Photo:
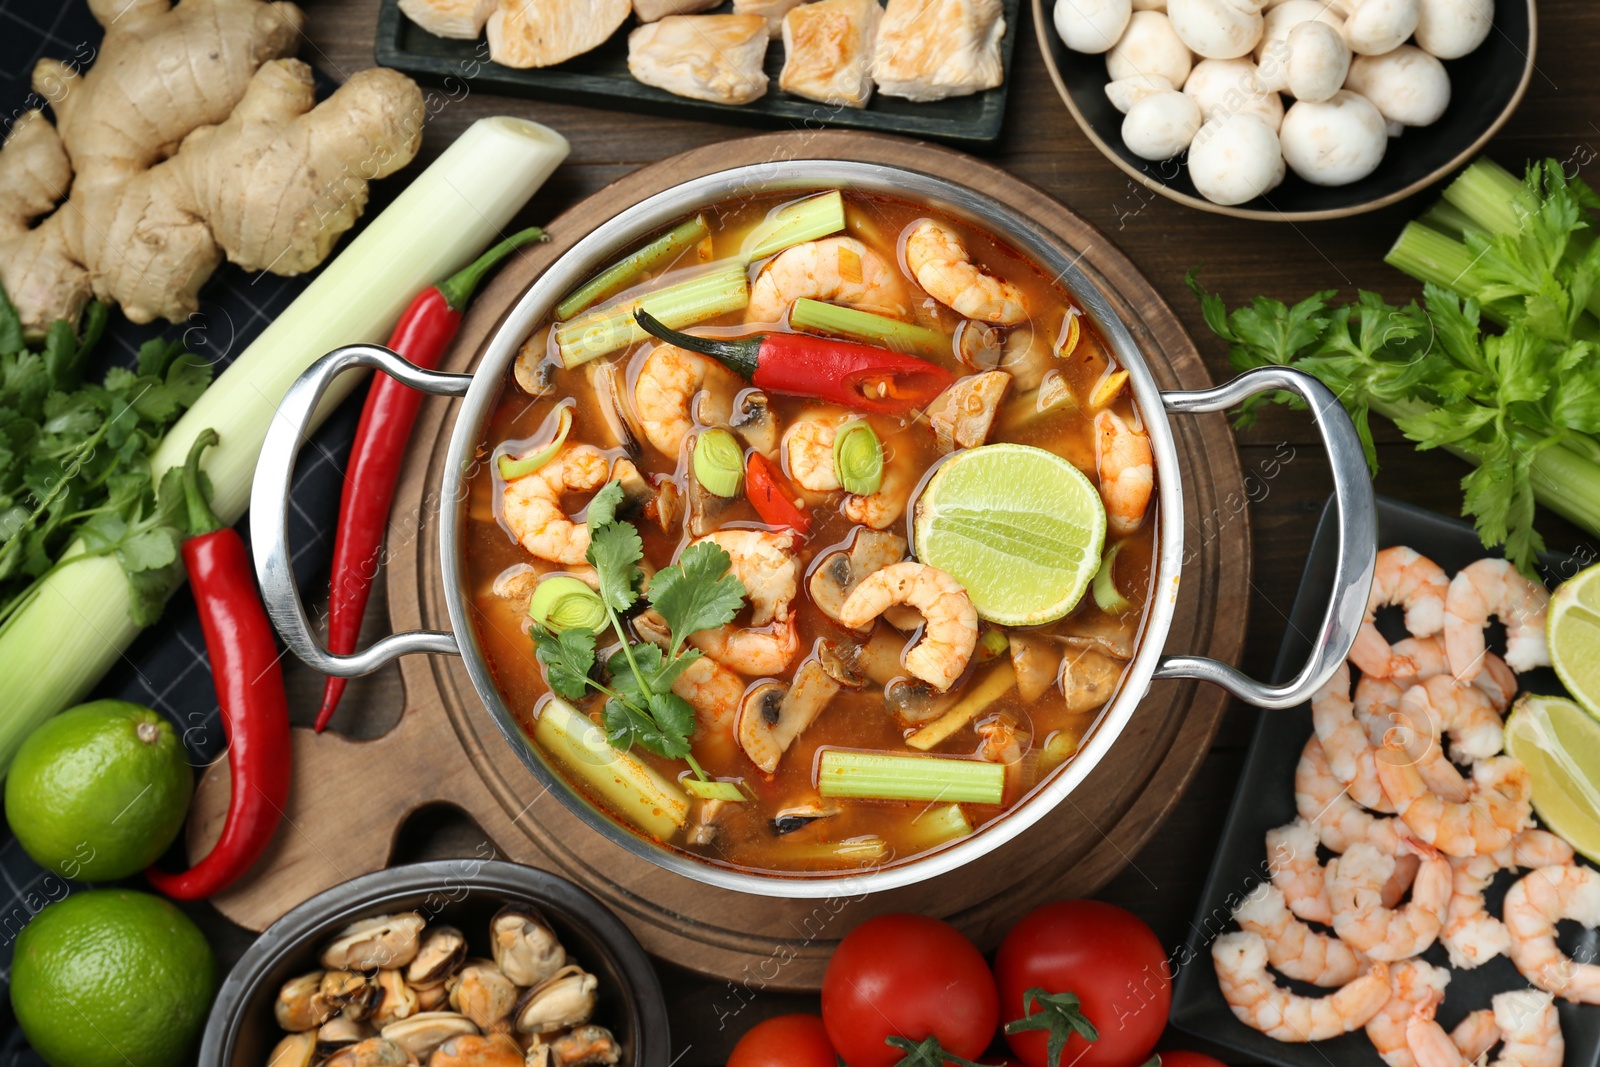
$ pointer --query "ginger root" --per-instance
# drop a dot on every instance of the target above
(190, 139)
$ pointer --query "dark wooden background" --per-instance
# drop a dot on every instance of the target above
(1240, 259)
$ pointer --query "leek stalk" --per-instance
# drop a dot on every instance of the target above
(713, 789)
(880, 776)
(604, 330)
(631, 269)
(77, 625)
(856, 325)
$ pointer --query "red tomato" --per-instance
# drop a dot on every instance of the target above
(785, 1041)
(909, 977)
(1106, 956)
(1188, 1059)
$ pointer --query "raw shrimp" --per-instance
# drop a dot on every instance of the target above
(1125, 464)
(1355, 889)
(837, 269)
(1260, 1003)
(664, 393)
(1340, 821)
(939, 262)
(1416, 583)
(1296, 871)
(1496, 809)
(941, 656)
(1471, 935)
(1346, 743)
(1493, 587)
(1296, 950)
(808, 445)
(1411, 982)
(1532, 908)
(532, 509)
(1525, 1019)
(767, 566)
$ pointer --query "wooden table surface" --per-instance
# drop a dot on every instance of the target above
(1240, 259)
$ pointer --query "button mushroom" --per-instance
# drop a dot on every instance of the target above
(962, 416)
(1037, 660)
(913, 702)
(1158, 127)
(1317, 63)
(1336, 141)
(1407, 85)
(1217, 29)
(1149, 46)
(837, 574)
(1092, 26)
(1235, 158)
(1379, 26)
(1450, 29)
(772, 715)
(1088, 678)
(1223, 87)
(1123, 94)
(754, 422)
(1271, 51)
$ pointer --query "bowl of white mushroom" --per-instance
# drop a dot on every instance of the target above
(1288, 109)
(453, 963)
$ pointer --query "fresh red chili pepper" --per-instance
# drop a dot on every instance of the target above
(774, 499)
(424, 331)
(863, 377)
(244, 669)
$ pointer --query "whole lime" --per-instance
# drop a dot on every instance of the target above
(112, 978)
(99, 791)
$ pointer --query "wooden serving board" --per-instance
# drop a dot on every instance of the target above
(350, 797)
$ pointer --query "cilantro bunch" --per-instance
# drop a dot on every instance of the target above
(75, 459)
(696, 593)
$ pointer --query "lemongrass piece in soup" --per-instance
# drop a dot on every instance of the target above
(856, 850)
(713, 789)
(718, 463)
(631, 269)
(979, 695)
(562, 602)
(512, 469)
(604, 330)
(1107, 597)
(935, 826)
(631, 788)
(858, 458)
(793, 224)
(817, 316)
(847, 774)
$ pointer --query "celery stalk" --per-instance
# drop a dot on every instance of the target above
(55, 648)
(880, 776)
(629, 787)
(604, 330)
(793, 224)
(1447, 219)
(1492, 197)
(857, 325)
(1429, 256)
(630, 269)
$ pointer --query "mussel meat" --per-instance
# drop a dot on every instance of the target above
(384, 941)
(396, 1000)
(585, 1046)
(483, 993)
(469, 1050)
(525, 948)
(296, 1050)
(427, 1030)
(373, 1052)
(339, 1031)
(302, 1005)
(564, 999)
(441, 952)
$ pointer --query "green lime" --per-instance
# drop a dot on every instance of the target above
(99, 791)
(1020, 528)
(112, 978)
(1560, 746)
(1572, 630)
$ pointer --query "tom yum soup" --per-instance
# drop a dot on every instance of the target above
(816, 535)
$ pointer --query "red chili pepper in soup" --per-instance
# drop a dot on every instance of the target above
(863, 377)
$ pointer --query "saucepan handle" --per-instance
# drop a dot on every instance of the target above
(269, 510)
(1358, 538)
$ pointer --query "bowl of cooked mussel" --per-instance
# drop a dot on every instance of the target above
(454, 963)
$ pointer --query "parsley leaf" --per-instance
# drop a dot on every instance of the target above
(615, 551)
(663, 729)
(698, 592)
(568, 656)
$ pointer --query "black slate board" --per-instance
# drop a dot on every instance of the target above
(600, 78)
(1265, 799)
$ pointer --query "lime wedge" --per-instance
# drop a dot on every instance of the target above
(1560, 745)
(1020, 528)
(1572, 630)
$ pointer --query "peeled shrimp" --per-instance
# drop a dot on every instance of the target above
(663, 394)
(1296, 950)
(1471, 935)
(710, 688)
(1532, 908)
(766, 564)
(1125, 464)
(1465, 713)
(808, 444)
(1497, 681)
(1296, 871)
(1355, 888)
(751, 651)
(1260, 1003)
(1493, 587)
(532, 509)
(1322, 801)
(1346, 742)
(1525, 1019)
(1496, 810)
(1416, 583)
(941, 656)
(1411, 982)
(939, 262)
(841, 270)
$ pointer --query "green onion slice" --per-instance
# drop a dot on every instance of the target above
(562, 602)
(718, 463)
(1107, 597)
(512, 469)
(713, 790)
(858, 458)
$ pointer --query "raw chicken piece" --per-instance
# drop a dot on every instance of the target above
(931, 49)
(771, 10)
(828, 48)
(707, 57)
(541, 33)
(449, 18)
(651, 10)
